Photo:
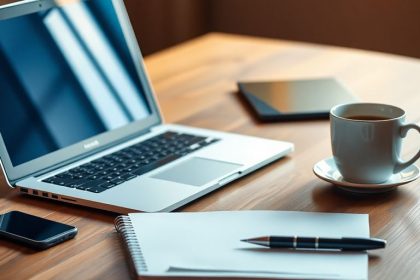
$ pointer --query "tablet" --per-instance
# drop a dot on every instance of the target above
(294, 99)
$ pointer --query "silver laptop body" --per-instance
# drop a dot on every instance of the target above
(75, 92)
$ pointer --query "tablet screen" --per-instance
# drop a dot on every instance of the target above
(296, 98)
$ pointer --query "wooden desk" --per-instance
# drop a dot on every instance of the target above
(195, 84)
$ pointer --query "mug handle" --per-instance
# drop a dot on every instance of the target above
(403, 133)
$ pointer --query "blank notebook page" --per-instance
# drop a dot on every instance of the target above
(208, 244)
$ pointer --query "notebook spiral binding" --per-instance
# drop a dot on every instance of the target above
(124, 227)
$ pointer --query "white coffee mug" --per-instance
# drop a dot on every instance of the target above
(366, 141)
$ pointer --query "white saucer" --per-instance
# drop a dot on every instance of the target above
(327, 171)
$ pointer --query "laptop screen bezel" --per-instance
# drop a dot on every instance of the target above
(101, 141)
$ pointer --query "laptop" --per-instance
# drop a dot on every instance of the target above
(79, 122)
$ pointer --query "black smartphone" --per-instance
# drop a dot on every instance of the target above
(36, 232)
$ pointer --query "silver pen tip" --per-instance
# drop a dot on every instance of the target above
(264, 241)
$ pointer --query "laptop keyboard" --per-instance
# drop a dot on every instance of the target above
(113, 169)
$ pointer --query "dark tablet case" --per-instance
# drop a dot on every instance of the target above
(294, 99)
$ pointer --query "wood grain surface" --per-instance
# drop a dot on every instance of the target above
(195, 84)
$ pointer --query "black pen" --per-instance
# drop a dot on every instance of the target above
(295, 242)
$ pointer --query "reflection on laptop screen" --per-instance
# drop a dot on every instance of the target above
(66, 75)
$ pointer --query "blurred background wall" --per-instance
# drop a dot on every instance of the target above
(391, 26)
(159, 24)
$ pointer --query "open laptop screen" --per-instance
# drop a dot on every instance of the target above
(66, 75)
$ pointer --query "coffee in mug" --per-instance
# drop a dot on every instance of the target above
(366, 141)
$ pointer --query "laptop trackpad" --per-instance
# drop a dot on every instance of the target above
(197, 171)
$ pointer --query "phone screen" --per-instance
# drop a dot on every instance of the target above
(31, 227)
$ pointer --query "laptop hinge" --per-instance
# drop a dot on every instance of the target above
(9, 184)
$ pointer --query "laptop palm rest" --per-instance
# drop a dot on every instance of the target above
(197, 171)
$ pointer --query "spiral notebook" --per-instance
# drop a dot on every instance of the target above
(207, 244)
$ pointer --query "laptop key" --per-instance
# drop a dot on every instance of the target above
(117, 180)
(93, 177)
(65, 175)
(62, 183)
(109, 177)
(94, 183)
(96, 189)
(83, 188)
(99, 161)
(107, 185)
(154, 165)
(128, 176)
(50, 180)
